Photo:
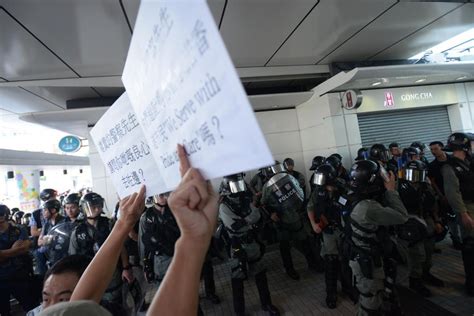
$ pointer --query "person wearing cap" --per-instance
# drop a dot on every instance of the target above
(458, 178)
(15, 266)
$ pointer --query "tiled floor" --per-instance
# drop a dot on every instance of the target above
(307, 296)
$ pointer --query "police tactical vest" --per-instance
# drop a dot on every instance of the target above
(90, 238)
(465, 173)
(161, 232)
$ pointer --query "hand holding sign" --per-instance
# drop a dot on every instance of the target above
(194, 203)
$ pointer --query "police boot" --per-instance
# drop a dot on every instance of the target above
(331, 269)
(264, 293)
(432, 280)
(468, 260)
(416, 285)
(238, 296)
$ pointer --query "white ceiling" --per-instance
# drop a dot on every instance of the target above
(52, 51)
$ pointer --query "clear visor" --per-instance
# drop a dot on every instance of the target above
(161, 198)
(92, 210)
(414, 175)
(384, 174)
(319, 179)
(278, 168)
(237, 186)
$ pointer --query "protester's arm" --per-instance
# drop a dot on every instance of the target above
(92, 287)
(194, 205)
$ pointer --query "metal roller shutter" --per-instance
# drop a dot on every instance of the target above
(405, 126)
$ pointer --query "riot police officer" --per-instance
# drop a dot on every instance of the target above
(88, 236)
(157, 236)
(458, 178)
(238, 216)
(325, 216)
(290, 168)
(417, 234)
(362, 154)
(421, 147)
(52, 218)
(283, 199)
(59, 236)
(369, 237)
(256, 184)
(15, 265)
(36, 225)
(315, 163)
(335, 160)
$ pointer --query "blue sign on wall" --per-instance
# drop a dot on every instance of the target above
(70, 144)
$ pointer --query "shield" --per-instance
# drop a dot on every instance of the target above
(286, 191)
(59, 245)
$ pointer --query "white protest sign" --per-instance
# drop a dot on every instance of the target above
(124, 150)
(185, 90)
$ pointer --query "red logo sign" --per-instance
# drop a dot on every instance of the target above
(349, 100)
(389, 100)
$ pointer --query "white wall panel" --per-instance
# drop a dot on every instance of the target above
(329, 25)
(278, 121)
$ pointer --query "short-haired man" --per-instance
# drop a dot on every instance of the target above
(434, 173)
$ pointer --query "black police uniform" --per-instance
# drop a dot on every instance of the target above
(15, 273)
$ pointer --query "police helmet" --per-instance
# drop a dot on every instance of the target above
(416, 171)
(52, 204)
(47, 194)
(25, 220)
(337, 155)
(334, 161)
(459, 141)
(4, 211)
(90, 200)
(419, 145)
(324, 174)
(277, 168)
(411, 151)
(73, 198)
(17, 216)
(234, 183)
(379, 152)
(317, 161)
(365, 177)
(362, 153)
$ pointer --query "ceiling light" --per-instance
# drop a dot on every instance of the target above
(376, 83)
(420, 80)
(461, 78)
(274, 106)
